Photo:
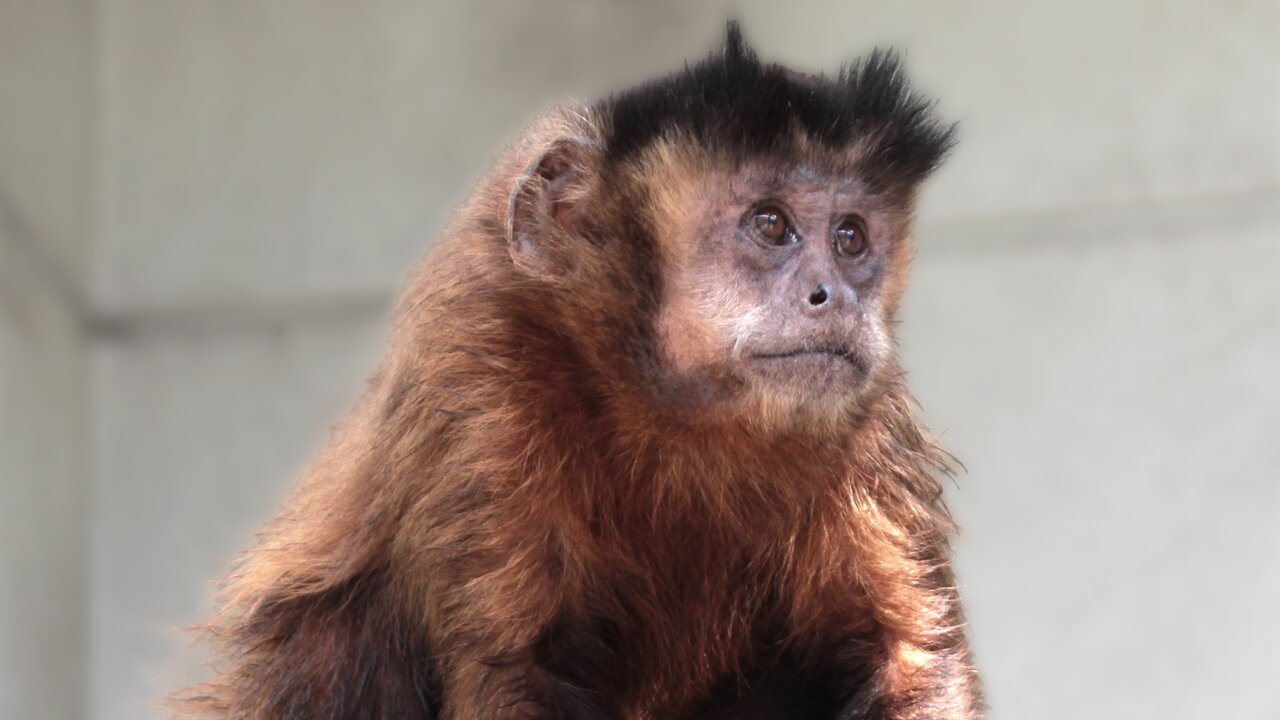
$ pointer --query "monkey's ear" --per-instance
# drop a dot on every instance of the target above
(544, 215)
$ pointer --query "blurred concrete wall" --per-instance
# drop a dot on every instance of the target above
(206, 208)
(46, 169)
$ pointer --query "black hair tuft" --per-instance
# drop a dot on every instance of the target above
(734, 103)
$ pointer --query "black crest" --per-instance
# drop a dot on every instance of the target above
(733, 102)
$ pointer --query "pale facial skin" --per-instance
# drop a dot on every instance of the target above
(774, 298)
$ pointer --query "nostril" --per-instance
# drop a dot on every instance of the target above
(819, 296)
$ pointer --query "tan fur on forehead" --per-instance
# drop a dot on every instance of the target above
(671, 162)
(675, 174)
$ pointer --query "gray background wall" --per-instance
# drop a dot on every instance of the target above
(206, 208)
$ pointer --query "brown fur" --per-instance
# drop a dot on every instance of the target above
(511, 525)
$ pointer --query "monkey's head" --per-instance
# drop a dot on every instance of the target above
(737, 233)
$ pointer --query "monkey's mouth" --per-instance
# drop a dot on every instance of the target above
(822, 354)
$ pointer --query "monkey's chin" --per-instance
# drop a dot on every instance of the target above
(806, 386)
(783, 392)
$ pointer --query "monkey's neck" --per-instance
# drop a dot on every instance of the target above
(745, 484)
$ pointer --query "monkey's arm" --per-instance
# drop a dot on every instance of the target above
(498, 620)
(923, 670)
(342, 651)
(455, 636)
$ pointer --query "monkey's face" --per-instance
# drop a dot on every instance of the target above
(778, 289)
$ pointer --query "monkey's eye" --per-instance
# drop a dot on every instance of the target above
(772, 227)
(851, 238)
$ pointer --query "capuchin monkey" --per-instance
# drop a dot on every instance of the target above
(640, 447)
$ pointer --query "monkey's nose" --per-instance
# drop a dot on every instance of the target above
(820, 296)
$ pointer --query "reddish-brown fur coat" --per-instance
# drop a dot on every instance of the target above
(506, 512)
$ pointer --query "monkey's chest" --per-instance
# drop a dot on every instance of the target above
(693, 639)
